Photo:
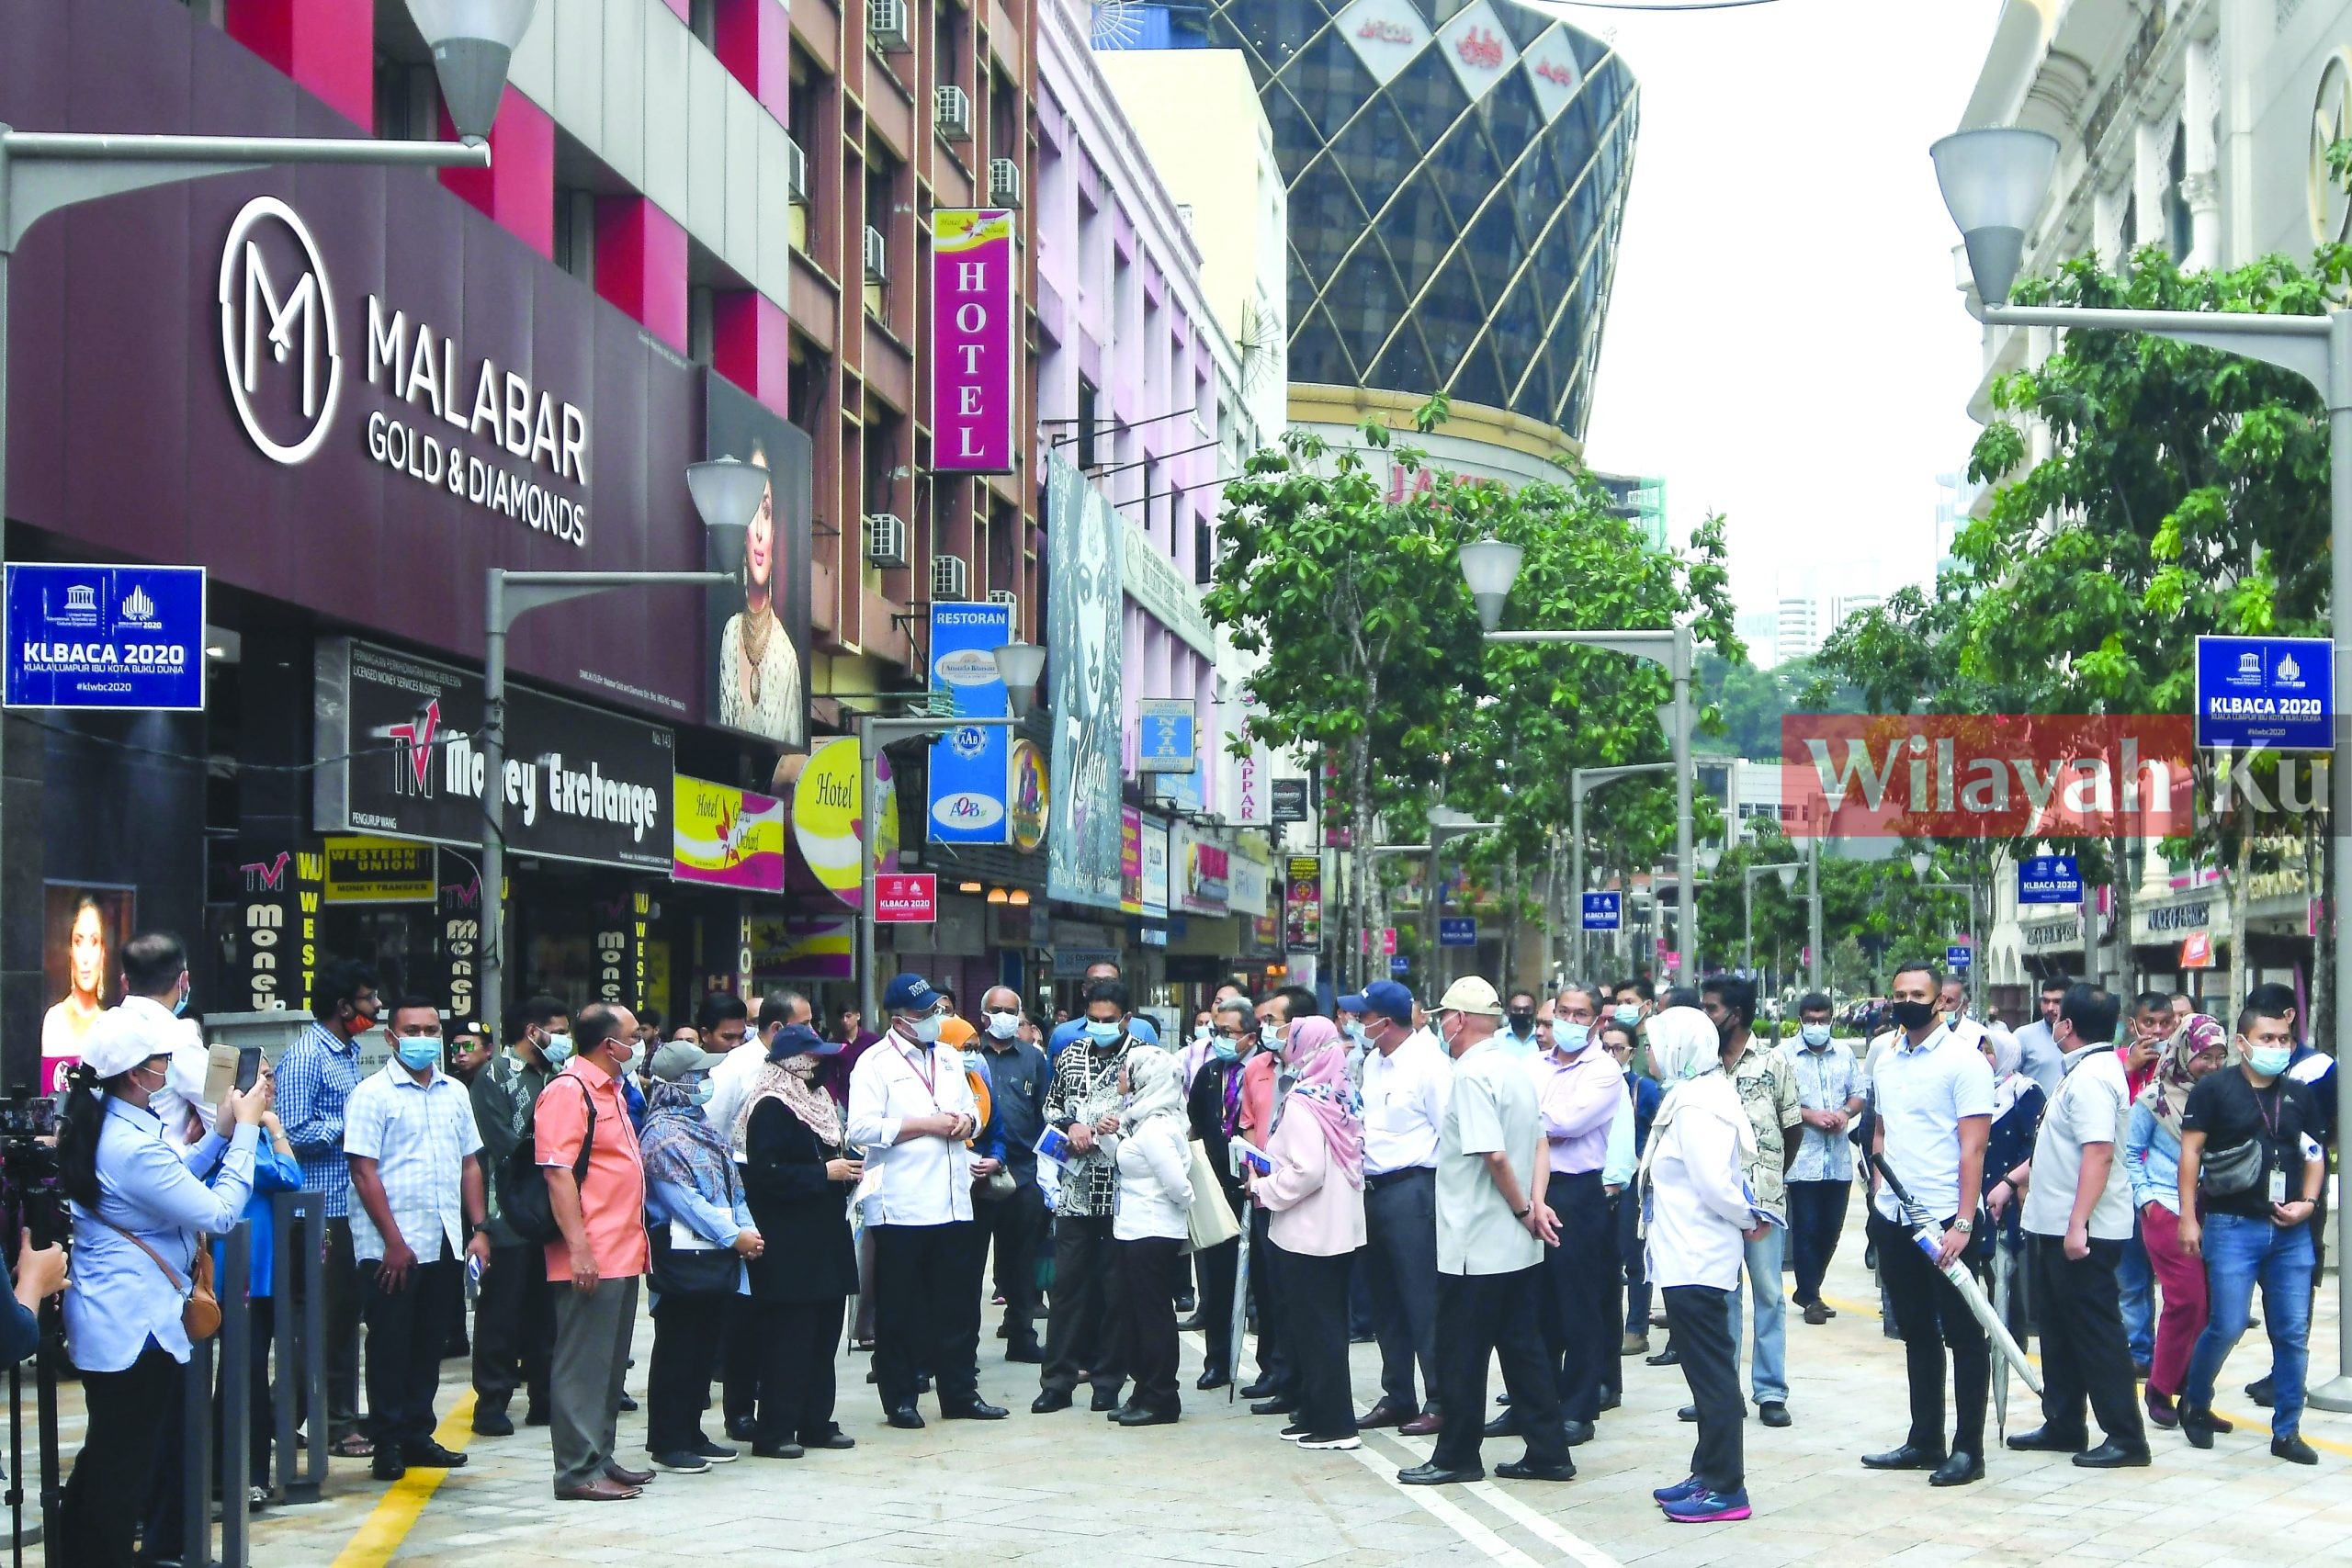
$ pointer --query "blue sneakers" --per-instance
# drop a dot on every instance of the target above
(1709, 1507)
(1688, 1487)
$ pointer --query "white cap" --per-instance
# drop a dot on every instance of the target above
(117, 1043)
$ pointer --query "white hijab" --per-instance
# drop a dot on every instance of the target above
(1688, 1056)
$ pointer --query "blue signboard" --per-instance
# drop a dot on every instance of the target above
(2050, 879)
(1400, 965)
(2255, 691)
(970, 766)
(1958, 956)
(105, 637)
(1165, 736)
(1603, 912)
(1457, 930)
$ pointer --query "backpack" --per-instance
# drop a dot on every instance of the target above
(523, 1200)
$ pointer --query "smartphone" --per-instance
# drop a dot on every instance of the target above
(248, 1067)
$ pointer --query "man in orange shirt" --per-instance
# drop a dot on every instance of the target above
(597, 1194)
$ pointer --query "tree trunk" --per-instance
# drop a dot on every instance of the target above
(2319, 877)
(1511, 914)
(2240, 878)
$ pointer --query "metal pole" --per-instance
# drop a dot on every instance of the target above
(1747, 918)
(1813, 915)
(1685, 861)
(195, 1455)
(1576, 876)
(493, 806)
(869, 814)
(236, 1386)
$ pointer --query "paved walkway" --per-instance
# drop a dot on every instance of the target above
(1220, 1488)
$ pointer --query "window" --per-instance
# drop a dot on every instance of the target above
(2179, 232)
(575, 233)
(1086, 415)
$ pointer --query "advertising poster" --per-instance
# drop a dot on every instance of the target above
(264, 940)
(810, 946)
(758, 624)
(1250, 886)
(969, 766)
(379, 870)
(1083, 650)
(1130, 860)
(726, 837)
(1302, 907)
(83, 930)
(974, 318)
(1029, 807)
(1155, 869)
(827, 820)
(103, 637)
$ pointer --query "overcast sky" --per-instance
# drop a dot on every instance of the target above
(1784, 342)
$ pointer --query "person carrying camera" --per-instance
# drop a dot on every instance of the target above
(139, 1213)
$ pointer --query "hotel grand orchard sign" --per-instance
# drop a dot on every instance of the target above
(478, 431)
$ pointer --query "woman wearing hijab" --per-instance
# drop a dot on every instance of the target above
(1149, 1228)
(1697, 1213)
(701, 1233)
(799, 1175)
(2151, 1157)
(1312, 1184)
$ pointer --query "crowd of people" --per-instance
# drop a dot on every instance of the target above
(1487, 1183)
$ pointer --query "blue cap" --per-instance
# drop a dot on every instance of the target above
(1353, 1002)
(910, 993)
(1389, 999)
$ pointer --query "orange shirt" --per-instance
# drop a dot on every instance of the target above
(612, 1201)
(1258, 1098)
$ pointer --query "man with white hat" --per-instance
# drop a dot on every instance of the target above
(1492, 1227)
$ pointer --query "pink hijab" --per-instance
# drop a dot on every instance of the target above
(1324, 1091)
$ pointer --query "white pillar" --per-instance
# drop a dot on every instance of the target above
(2151, 171)
(2109, 241)
(2202, 188)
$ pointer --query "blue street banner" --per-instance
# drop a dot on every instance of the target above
(1400, 965)
(2257, 691)
(1165, 737)
(1457, 930)
(105, 637)
(1603, 912)
(969, 765)
(2050, 879)
(1959, 956)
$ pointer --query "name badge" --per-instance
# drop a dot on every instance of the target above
(2278, 1186)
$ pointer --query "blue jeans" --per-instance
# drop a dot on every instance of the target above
(1767, 1373)
(2135, 1283)
(2239, 1253)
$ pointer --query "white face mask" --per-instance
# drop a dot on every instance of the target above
(1814, 1034)
(925, 1029)
(1004, 1025)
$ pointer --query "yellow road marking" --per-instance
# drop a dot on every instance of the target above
(396, 1513)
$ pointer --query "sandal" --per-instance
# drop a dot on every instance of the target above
(352, 1445)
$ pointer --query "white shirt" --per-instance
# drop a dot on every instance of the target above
(420, 1135)
(1699, 1205)
(183, 1091)
(731, 1085)
(925, 1180)
(1922, 1092)
(1618, 1165)
(1404, 1104)
(1155, 1197)
(2090, 1108)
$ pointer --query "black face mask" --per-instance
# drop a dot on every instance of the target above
(1912, 1015)
(1520, 1023)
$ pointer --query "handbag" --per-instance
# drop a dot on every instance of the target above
(2238, 1169)
(694, 1270)
(200, 1308)
(523, 1201)
(995, 1187)
(1210, 1221)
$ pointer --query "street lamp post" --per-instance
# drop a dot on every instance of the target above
(1018, 665)
(1488, 566)
(1922, 862)
(725, 492)
(1581, 783)
(1788, 870)
(42, 170)
(1444, 823)
(1994, 183)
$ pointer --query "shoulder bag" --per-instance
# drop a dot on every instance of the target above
(200, 1308)
(523, 1201)
(711, 1270)
(1210, 1221)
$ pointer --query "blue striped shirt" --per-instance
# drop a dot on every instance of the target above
(315, 1078)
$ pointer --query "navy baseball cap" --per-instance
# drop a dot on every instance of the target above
(1389, 999)
(910, 993)
(1352, 1002)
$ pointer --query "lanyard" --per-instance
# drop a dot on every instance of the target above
(929, 1074)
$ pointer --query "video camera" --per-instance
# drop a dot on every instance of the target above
(31, 1201)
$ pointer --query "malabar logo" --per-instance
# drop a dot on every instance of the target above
(273, 326)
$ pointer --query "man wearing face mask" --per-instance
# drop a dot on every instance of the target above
(513, 1313)
(1073, 1028)
(315, 1077)
(1265, 1079)
(1518, 1035)
(409, 1131)
(910, 1107)
(1406, 1081)
(1578, 1094)
(1213, 1106)
(1829, 1094)
(156, 992)
(1084, 1104)
(1018, 1078)
(1767, 1086)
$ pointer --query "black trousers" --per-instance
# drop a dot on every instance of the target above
(927, 1311)
(514, 1328)
(740, 1361)
(1217, 1268)
(1483, 1315)
(1706, 1337)
(1315, 1294)
(1266, 1295)
(1400, 1268)
(111, 1476)
(1931, 1318)
(166, 1511)
(404, 1331)
(798, 1341)
(1081, 1334)
(1635, 1264)
(1816, 1215)
(1148, 1320)
(346, 1289)
(688, 1334)
(1612, 1294)
(1012, 1228)
(2084, 1359)
(1580, 1336)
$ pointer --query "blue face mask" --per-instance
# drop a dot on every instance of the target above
(1814, 1034)
(1103, 1034)
(1571, 1037)
(558, 1050)
(419, 1052)
(702, 1090)
(179, 1007)
(1224, 1050)
(2269, 1061)
(1628, 1016)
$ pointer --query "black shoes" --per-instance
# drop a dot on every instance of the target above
(1688, 1413)
(1383, 1415)
(385, 1463)
(1212, 1377)
(2196, 1423)
(1502, 1426)
(1668, 1357)
(907, 1418)
(1263, 1388)
(835, 1440)
(777, 1450)
(1910, 1456)
(492, 1421)
(1432, 1475)
(1029, 1355)
(2290, 1448)
(1137, 1415)
(2259, 1392)
(743, 1429)
(1104, 1400)
(1772, 1413)
(1578, 1433)
(430, 1455)
(1053, 1399)
(2043, 1441)
(974, 1409)
(1275, 1406)
(2112, 1455)
(1524, 1469)
(1958, 1471)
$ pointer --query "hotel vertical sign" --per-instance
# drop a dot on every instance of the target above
(975, 360)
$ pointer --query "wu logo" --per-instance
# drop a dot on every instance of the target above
(277, 329)
(413, 751)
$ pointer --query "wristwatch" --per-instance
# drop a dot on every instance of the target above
(1524, 1212)
(1964, 1227)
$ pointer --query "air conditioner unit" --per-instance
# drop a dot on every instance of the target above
(886, 539)
(1004, 182)
(951, 578)
(886, 25)
(796, 172)
(877, 256)
(1006, 596)
(951, 112)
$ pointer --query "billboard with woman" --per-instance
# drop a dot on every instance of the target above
(83, 931)
(759, 621)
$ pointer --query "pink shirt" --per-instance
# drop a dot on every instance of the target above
(612, 1201)
(1579, 1097)
(1317, 1211)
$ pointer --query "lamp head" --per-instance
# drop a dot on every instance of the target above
(1709, 857)
(726, 491)
(1993, 182)
(473, 43)
(1920, 861)
(1018, 665)
(1488, 566)
(1788, 876)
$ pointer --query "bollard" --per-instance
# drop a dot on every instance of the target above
(196, 1455)
(299, 1345)
(237, 1392)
